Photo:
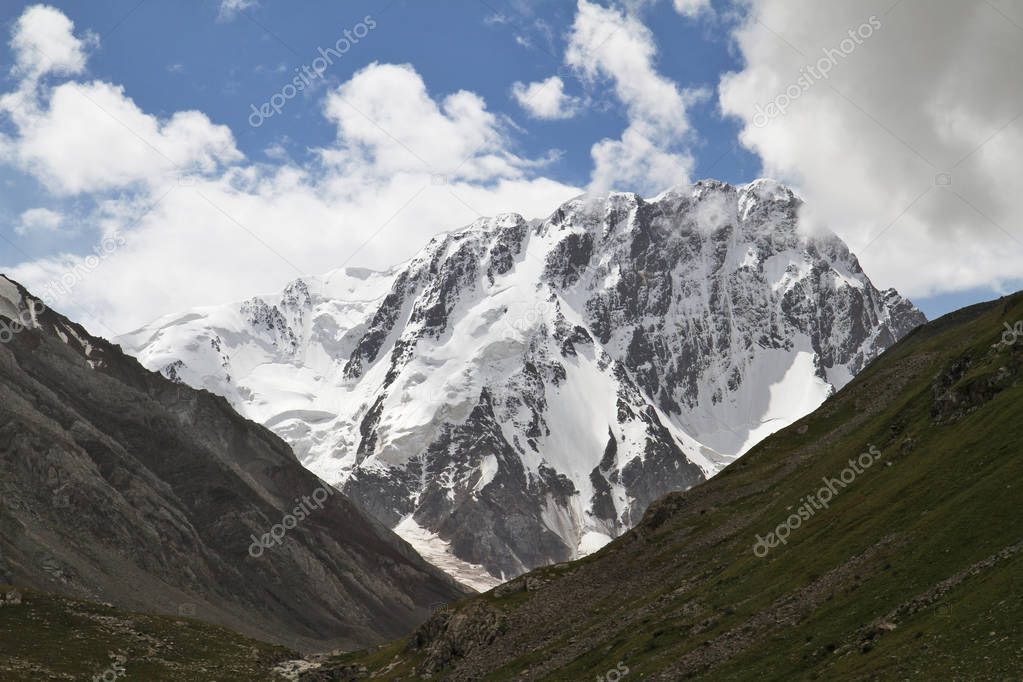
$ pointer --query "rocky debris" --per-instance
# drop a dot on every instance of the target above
(10, 598)
(866, 638)
(940, 590)
(449, 636)
(527, 583)
(343, 673)
(957, 391)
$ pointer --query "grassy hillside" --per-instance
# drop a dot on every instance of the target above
(52, 638)
(912, 570)
(47, 637)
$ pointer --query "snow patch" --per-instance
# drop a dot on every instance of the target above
(438, 552)
(592, 541)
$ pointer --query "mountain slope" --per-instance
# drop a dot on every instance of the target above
(120, 485)
(519, 392)
(46, 637)
(910, 570)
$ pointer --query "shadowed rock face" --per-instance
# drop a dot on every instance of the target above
(119, 485)
(522, 390)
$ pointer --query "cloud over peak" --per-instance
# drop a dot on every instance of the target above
(652, 153)
(898, 124)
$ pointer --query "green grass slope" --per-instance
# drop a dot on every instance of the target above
(913, 570)
(46, 637)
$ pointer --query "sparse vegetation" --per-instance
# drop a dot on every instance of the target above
(47, 637)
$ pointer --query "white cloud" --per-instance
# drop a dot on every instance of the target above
(926, 100)
(546, 99)
(229, 9)
(255, 229)
(90, 137)
(43, 42)
(405, 166)
(691, 8)
(652, 153)
(388, 122)
(39, 219)
(86, 137)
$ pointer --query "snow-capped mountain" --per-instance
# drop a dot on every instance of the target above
(520, 391)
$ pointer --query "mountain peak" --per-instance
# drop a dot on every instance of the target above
(520, 391)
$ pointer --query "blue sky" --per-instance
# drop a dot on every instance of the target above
(222, 60)
(178, 56)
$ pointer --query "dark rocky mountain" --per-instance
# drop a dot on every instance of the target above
(519, 392)
(119, 485)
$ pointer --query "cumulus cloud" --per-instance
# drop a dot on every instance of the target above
(229, 9)
(691, 8)
(546, 99)
(387, 121)
(43, 42)
(80, 137)
(907, 142)
(39, 219)
(180, 218)
(652, 152)
(88, 137)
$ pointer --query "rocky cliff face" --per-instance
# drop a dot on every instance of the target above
(122, 486)
(520, 391)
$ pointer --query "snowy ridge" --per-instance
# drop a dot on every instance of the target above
(20, 310)
(520, 391)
